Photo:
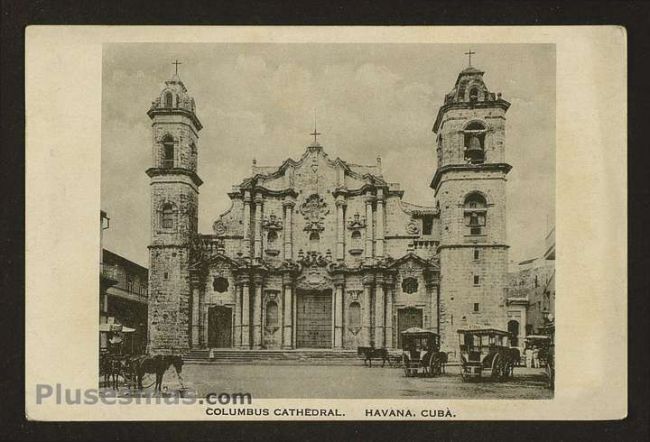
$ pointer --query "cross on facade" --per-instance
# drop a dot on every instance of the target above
(176, 62)
(470, 53)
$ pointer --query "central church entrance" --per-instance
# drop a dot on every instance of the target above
(407, 318)
(220, 327)
(314, 319)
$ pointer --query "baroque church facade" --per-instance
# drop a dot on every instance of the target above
(322, 253)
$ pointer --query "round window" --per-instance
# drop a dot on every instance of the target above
(410, 285)
(220, 284)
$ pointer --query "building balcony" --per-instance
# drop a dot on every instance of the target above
(127, 294)
(108, 275)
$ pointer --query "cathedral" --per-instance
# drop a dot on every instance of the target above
(322, 253)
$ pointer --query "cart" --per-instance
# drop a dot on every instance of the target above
(421, 354)
(549, 369)
(486, 352)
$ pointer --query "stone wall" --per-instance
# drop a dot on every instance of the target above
(458, 293)
(169, 300)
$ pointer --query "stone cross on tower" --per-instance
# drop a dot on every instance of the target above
(470, 53)
(176, 62)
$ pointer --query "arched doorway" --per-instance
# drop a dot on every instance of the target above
(513, 329)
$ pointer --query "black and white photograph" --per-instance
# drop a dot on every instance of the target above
(342, 221)
(252, 223)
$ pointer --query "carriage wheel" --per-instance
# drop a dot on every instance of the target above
(434, 368)
(463, 375)
(497, 367)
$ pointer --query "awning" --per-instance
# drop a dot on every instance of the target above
(537, 337)
(115, 328)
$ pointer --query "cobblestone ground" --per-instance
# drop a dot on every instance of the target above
(353, 382)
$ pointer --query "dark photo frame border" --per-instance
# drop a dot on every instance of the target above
(17, 14)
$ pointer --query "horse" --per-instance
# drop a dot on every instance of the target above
(369, 353)
(112, 367)
(444, 359)
(512, 358)
(157, 365)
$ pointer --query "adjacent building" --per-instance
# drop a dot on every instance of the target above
(531, 294)
(123, 296)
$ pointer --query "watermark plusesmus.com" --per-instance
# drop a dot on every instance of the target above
(58, 395)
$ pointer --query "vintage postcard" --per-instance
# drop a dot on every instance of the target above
(326, 223)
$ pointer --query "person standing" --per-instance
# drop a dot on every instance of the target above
(535, 357)
(528, 353)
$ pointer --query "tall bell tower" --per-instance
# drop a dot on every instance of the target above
(174, 216)
(470, 190)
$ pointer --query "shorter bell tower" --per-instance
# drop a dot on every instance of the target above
(174, 216)
(470, 190)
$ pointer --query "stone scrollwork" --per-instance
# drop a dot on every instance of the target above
(219, 228)
(272, 222)
(356, 222)
(412, 228)
(314, 210)
(313, 259)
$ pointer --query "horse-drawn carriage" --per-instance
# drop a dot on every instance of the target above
(120, 367)
(421, 353)
(486, 350)
(549, 369)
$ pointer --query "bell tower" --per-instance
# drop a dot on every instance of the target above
(470, 190)
(174, 216)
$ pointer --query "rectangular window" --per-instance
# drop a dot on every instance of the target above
(476, 253)
(476, 307)
(476, 280)
(427, 225)
(475, 231)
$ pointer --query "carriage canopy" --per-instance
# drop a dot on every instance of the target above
(420, 338)
(482, 337)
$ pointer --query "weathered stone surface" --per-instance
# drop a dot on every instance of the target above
(323, 224)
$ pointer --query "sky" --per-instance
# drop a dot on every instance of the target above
(257, 101)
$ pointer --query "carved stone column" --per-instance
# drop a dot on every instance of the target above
(365, 319)
(369, 230)
(238, 314)
(245, 306)
(379, 244)
(196, 312)
(288, 227)
(340, 228)
(390, 293)
(247, 224)
(287, 312)
(379, 311)
(257, 312)
(338, 311)
(258, 226)
(431, 284)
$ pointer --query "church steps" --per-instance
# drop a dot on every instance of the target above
(273, 356)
